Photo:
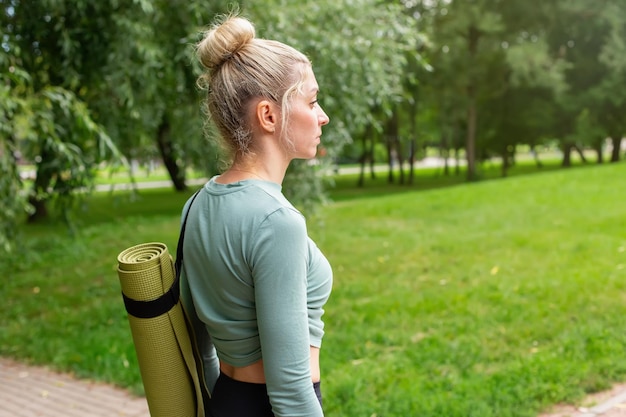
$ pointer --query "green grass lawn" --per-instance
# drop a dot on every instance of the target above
(495, 298)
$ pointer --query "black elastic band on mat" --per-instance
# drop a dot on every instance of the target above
(163, 304)
(153, 308)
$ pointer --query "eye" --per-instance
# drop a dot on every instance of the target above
(314, 102)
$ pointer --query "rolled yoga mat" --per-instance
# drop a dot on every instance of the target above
(169, 370)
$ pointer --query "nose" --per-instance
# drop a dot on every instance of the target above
(323, 117)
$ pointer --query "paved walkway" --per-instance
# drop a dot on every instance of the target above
(39, 392)
(610, 403)
(27, 391)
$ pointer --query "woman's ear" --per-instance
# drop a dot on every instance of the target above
(267, 116)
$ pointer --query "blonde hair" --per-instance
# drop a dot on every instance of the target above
(240, 67)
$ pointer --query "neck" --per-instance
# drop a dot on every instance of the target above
(268, 162)
(251, 172)
(239, 172)
(268, 167)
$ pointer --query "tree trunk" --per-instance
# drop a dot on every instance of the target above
(400, 153)
(580, 152)
(361, 181)
(598, 149)
(470, 145)
(444, 152)
(166, 148)
(567, 155)
(616, 140)
(367, 155)
(390, 176)
(533, 151)
(38, 197)
(457, 159)
(395, 146)
(40, 209)
(413, 141)
(505, 161)
(372, 136)
(446, 166)
(411, 160)
(390, 137)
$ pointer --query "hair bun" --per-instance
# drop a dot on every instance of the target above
(224, 40)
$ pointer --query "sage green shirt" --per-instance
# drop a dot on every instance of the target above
(259, 284)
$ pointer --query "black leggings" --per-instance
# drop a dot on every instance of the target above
(243, 399)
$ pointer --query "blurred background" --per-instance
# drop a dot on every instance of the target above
(91, 84)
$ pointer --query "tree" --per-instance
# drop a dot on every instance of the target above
(613, 56)
(475, 28)
(51, 60)
(152, 103)
(589, 36)
(489, 58)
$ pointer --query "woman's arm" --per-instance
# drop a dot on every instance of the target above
(278, 264)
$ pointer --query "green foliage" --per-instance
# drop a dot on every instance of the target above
(359, 53)
(52, 127)
(79, 76)
(50, 58)
(57, 132)
(491, 299)
(533, 66)
(586, 36)
(358, 49)
(531, 69)
(151, 82)
(12, 200)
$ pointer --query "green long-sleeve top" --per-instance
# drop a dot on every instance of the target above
(259, 284)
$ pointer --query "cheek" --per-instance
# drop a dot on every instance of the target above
(314, 118)
(304, 120)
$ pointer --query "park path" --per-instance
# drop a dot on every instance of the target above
(33, 391)
(610, 403)
(429, 162)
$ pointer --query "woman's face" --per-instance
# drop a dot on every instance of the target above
(306, 119)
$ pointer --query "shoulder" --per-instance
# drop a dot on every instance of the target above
(283, 222)
(267, 201)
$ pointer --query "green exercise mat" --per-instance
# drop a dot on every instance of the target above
(168, 367)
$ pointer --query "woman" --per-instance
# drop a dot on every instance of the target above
(257, 280)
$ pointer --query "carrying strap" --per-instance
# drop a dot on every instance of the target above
(179, 248)
(203, 395)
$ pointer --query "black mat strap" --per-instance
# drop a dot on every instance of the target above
(153, 308)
